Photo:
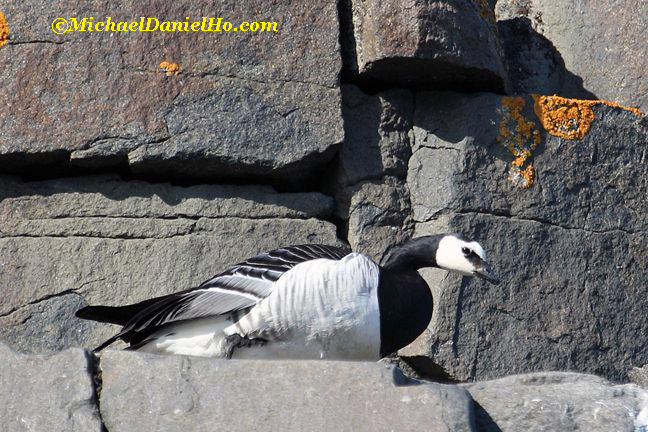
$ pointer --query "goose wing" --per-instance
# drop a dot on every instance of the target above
(239, 287)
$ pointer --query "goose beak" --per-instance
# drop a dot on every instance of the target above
(487, 274)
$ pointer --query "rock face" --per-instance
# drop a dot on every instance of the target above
(639, 376)
(376, 142)
(558, 402)
(571, 247)
(534, 63)
(449, 43)
(370, 182)
(152, 393)
(103, 240)
(99, 99)
(47, 393)
(597, 41)
(172, 393)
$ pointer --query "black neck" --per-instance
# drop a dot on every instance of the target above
(404, 298)
(417, 253)
(405, 303)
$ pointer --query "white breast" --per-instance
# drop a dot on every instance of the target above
(319, 309)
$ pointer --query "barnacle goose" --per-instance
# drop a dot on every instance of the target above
(299, 302)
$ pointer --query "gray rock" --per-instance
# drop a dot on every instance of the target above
(49, 325)
(101, 240)
(534, 63)
(263, 104)
(47, 393)
(639, 376)
(598, 42)
(555, 401)
(150, 392)
(379, 217)
(376, 141)
(171, 393)
(592, 186)
(558, 306)
(281, 131)
(570, 248)
(369, 186)
(108, 196)
(407, 43)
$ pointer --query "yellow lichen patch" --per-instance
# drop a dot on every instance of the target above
(170, 68)
(4, 30)
(569, 118)
(520, 136)
(523, 177)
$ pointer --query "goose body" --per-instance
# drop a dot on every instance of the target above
(298, 302)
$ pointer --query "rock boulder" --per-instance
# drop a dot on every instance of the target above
(47, 392)
(235, 104)
(562, 220)
(441, 44)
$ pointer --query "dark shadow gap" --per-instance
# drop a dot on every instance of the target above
(94, 370)
(57, 165)
(485, 423)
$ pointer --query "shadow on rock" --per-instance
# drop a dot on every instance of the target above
(534, 63)
(485, 422)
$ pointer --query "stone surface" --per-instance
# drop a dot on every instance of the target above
(534, 63)
(68, 242)
(639, 376)
(369, 184)
(379, 217)
(49, 325)
(47, 393)
(376, 135)
(150, 392)
(563, 220)
(262, 104)
(406, 43)
(570, 249)
(599, 42)
(171, 393)
(555, 401)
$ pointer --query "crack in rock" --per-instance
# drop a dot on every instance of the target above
(94, 371)
(44, 298)
(547, 222)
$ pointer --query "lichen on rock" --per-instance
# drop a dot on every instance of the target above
(520, 136)
(569, 118)
(170, 68)
(4, 30)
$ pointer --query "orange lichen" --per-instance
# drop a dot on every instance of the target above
(170, 68)
(520, 136)
(4, 30)
(569, 118)
(527, 176)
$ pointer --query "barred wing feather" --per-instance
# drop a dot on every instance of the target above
(238, 288)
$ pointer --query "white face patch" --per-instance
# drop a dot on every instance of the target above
(449, 255)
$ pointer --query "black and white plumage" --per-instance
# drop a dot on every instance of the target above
(306, 301)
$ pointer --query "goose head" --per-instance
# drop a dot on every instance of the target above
(456, 254)
(451, 252)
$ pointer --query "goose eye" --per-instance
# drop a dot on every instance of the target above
(466, 251)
